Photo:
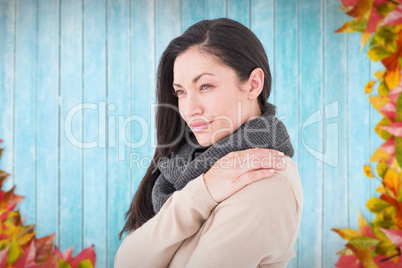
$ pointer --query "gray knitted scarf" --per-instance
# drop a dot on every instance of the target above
(266, 131)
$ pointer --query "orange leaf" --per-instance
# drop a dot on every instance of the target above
(25, 239)
(393, 77)
(346, 28)
(379, 155)
(367, 171)
(361, 8)
(378, 102)
(391, 180)
(369, 87)
(379, 74)
(392, 61)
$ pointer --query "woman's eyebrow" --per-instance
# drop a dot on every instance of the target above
(195, 79)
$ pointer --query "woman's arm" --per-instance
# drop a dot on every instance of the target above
(260, 222)
(156, 241)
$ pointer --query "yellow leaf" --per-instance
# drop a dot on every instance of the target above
(13, 252)
(345, 251)
(346, 8)
(395, 166)
(378, 102)
(369, 87)
(346, 233)
(380, 74)
(377, 53)
(346, 28)
(391, 180)
(393, 78)
(367, 171)
(385, 135)
(25, 238)
(364, 39)
(386, 248)
(397, 28)
(382, 169)
(383, 89)
(362, 223)
(379, 155)
(380, 189)
(377, 205)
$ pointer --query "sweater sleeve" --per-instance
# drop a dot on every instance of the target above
(156, 241)
(257, 223)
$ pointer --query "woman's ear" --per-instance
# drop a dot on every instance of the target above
(256, 82)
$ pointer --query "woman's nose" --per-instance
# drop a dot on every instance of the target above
(192, 106)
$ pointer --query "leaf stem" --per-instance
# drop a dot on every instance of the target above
(390, 257)
(393, 2)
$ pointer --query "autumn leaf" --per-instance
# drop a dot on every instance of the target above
(350, 261)
(376, 205)
(364, 39)
(363, 255)
(391, 180)
(367, 171)
(393, 77)
(395, 236)
(44, 247)
(369, 87)
(382, 168)
(379, 155)
(392, 61)
(63, 264)
(386, 248)
(383, 89)
(393, 18)
(27, 260)
(3, 256)
(85, 264)
(395, 129)
(346, 233)
(22, 249)
(82, 258)
(378, 52)
(379, 75)
(380, 22)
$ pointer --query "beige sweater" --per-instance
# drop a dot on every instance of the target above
(255, 227)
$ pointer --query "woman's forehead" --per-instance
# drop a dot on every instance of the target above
(190, 65)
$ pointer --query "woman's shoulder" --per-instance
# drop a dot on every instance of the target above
(284, 187)
(266, 213)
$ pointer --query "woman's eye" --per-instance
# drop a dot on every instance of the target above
(177, 92)
(208, 86)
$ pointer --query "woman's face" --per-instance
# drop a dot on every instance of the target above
(207, 93)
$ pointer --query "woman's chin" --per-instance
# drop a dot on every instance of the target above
(203, 139)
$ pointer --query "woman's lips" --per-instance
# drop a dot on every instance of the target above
(200, 127)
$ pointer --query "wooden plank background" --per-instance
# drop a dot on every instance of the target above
(77, 80)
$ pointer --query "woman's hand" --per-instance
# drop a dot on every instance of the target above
(237, 169)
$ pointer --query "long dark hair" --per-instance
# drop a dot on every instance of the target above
(231, 43)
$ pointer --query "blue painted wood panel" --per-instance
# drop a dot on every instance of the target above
(47, 171)
(77, 85)
(310, 162)
(71, 126)
(94, 128)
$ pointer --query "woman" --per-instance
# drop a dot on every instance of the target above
(221, 196)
